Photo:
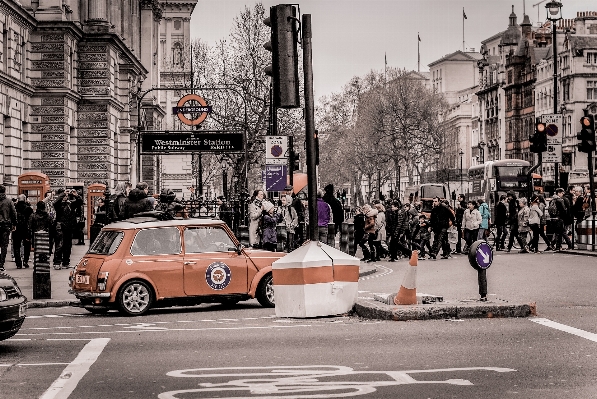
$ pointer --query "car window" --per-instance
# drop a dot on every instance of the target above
(157, 241)
(207, 239)
(106, 242)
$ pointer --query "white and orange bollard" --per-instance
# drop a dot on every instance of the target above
(407, 295)
(315, 280)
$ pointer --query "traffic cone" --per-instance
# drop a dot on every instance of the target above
(407, 295)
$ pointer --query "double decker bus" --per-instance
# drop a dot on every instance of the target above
(495, 178)
(424, 193)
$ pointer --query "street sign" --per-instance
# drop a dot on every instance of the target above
(553, 132)
(553, 128)
(179, 143)
(553, 153)
(276, 150)
(275, 177)
(480, 255)
(198, 112)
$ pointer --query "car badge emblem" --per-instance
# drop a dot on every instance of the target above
(218, 275)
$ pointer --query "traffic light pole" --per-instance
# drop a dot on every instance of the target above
(310, 125)
(592, 187)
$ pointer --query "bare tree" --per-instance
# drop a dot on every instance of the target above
(231, 78)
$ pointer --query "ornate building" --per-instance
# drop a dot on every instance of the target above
(70, 74)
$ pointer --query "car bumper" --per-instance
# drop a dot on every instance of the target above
(89, 294)
(12, 315)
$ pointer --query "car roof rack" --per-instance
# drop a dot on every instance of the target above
(150, 216)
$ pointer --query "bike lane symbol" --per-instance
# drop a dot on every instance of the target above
(322, 381)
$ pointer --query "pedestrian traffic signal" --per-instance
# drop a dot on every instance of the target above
(539, 139)
(587, 134)
(283, 45)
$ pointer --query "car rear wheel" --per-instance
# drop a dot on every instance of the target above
(135, 298)
(265, 292)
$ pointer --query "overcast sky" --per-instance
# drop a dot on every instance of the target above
(350, 37)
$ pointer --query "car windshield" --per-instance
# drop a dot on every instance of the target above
(106, 243)
(207, 239)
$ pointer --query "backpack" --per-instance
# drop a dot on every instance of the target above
(553, 208)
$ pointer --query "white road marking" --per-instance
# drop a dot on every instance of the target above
(306, 381)
(33, 364)
(384, 272)
(76, 370)
(160, 329)
(562, 327)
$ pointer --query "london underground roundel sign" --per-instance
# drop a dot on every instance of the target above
(200, 108)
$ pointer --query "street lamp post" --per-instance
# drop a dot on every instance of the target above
(461, 153)
(554, 14)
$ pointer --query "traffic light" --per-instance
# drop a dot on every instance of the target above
(283, 45)
(296, 161)
(539, 139)
(586, 135)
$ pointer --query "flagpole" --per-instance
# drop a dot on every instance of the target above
(385, 68)
(463, 29)
(418, 52)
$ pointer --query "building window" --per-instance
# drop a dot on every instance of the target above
(591, 89)
(566, 93)
(177, 24)
(591, 58)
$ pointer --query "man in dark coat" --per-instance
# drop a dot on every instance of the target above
(500, 221)
(458, 221)
(8, 219)
(66, 205)
(440, 220)
(335, 205)
(512, 219)
(137, 201)
(21, 235)
(39, 221)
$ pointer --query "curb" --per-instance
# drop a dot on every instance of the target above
(447, 310)
(52, 304)
(577, 252)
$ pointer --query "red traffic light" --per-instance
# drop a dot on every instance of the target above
(586, 121)
(540, 127)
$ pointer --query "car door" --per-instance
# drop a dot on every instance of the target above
(157, 253)
(211, 264)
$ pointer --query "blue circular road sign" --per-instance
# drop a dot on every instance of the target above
(480, 255)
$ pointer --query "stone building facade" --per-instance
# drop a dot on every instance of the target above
(70, 76)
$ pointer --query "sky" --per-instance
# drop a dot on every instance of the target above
(352, 37)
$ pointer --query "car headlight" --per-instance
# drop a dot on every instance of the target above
(3, 295)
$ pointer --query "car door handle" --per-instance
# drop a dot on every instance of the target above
(190, 263)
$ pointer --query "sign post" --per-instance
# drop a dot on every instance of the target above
(480, 257)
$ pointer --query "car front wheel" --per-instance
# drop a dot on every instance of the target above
(265, 292)
(135, 298)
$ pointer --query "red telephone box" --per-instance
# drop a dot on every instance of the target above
(34, 185)
(95, 191)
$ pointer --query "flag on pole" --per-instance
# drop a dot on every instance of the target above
(385, 57)
(419, 37)
(463, 14)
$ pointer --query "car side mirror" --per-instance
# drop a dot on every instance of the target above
(240, 248)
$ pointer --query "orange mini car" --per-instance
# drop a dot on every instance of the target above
(143, 262)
